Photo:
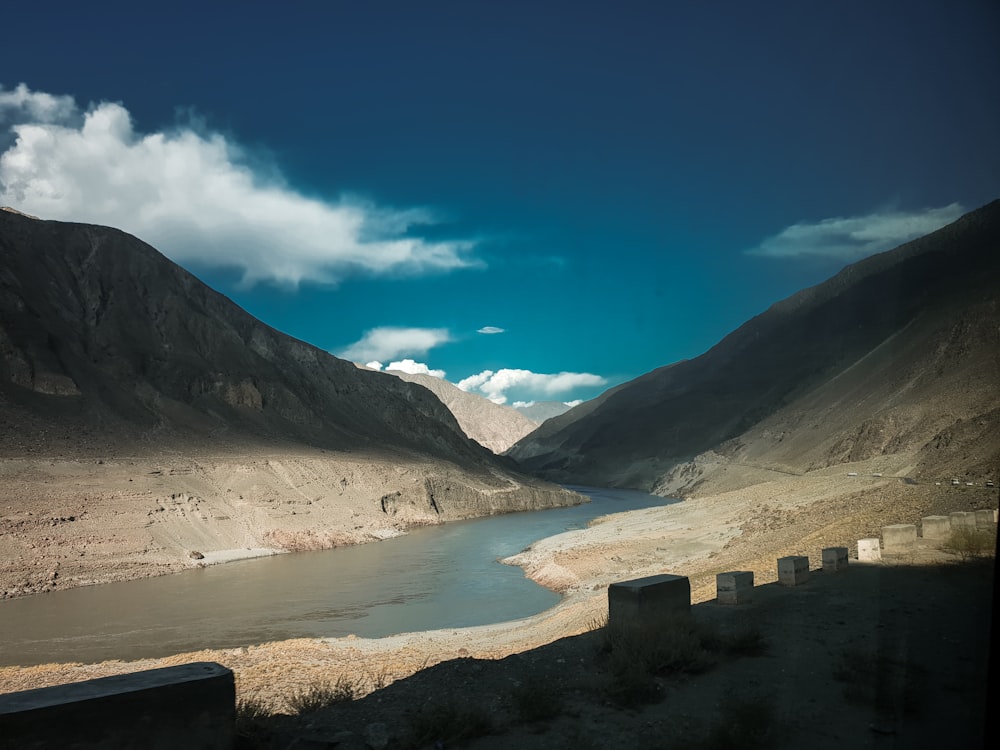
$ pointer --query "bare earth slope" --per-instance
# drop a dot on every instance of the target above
(131, 392)
(493, 426)
(824, 359)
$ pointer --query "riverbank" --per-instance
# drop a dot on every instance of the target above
(740, 530)
(68, 522)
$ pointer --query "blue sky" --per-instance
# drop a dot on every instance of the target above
(563, 195)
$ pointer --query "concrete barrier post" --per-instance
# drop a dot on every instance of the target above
(647, 602)
(900, 538)
(735, 587)
(961, 519)
(834, 559)
(189, 706)
(935, 527)
(984, 520)
(793, 570)
(869, 550)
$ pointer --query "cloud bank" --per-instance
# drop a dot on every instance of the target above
(414, 368)
(495, 385)
(855, 237)
(490, 330)
(194, 195)
(387, 342)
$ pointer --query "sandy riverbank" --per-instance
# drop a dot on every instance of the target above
(68, 522)
(739, 530)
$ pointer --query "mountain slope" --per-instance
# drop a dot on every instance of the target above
(493, 426)
(102, 333)
(640, 431)
(162, 419)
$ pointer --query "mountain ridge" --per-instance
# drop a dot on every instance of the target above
(154, 423)
(639, 431)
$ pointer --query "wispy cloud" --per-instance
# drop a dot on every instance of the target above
(197, 197)
(490, 330)
(856, 237)
(387, 343)
(495, 385)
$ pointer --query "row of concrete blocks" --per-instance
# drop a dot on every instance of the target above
(646, 599)
(901, 538)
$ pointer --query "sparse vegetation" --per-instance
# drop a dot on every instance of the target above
(378, 679)
(748, 724)
(447, 723)
(639, 655)
(537, 700)
(970, 543)
(322, 694)
(748, 641)
(882, 682)
(252, 715)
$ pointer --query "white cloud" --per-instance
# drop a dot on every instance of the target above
(194, 195)
(856, 237)
(574, 402)
(490, 330)
(414, 368)
(523, 404)
(388, 342)
(494, 385)
(374, 365)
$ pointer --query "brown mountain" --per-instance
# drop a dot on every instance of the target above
(493, 426)
(129, 390)
(896, 355)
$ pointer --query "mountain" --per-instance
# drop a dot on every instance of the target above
(539, 411)
(148, 408)
(896, 355)
(493, 426)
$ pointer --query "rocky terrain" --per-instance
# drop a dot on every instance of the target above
(539, 411)
(898, 352)
(848, 407)
(887, 654)
(148, 424)
(493, 426)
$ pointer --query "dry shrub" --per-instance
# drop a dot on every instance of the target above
(323, 694)
(970, 543)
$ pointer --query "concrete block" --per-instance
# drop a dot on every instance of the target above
(189, 706)
(935, 527)
(869, 550)
(962, 519)
(648, 601)
(793, 570)
(735, 587)
(899, 538)
(984, 519)
(834, 559)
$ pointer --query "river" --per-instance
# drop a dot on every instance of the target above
(434, 577)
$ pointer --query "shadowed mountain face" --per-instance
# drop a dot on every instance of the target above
(106, 343)
(917, 321)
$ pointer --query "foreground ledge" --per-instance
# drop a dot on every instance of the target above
(187, 706)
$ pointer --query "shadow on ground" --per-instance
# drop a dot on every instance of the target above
(880, 656)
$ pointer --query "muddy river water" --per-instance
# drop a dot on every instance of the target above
(434, 577)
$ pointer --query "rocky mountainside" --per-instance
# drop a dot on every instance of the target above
(102, 339)
(493, 426)
(131, 391)
(896, 357)
(539, 411)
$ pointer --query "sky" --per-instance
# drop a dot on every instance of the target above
(534, 200)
